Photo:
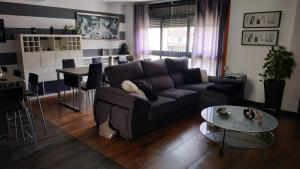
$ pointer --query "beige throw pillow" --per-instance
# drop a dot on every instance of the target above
(204, 75)
(131, 87)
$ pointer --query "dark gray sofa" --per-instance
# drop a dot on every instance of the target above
(134, 115)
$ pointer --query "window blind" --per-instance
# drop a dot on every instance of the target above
(169, 15)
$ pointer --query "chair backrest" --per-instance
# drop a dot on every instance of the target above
(97, 60)
(68, 63)
(69, 80)
(95, 76)
(33, 81)
(4, 69)
(10, 98)
(17, 73)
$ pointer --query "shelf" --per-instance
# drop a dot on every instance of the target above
(44, 43)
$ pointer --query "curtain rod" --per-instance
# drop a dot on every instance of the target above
(168, 3)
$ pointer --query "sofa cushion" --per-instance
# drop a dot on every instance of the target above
(154, 68)
(182, 97)
(178, 78)
(130, 87)
(204, 75)
(162, 106)
(149, 93)
(196, 87)
(118, 73)
(142, 81)
(226, 88)
(192, 76)
(159, 83)
(176, 65)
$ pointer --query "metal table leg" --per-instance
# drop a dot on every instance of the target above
(58, 87)
(63, 102)
(78, 94)
(223, 143)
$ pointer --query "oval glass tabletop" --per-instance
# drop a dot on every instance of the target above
(236, 121)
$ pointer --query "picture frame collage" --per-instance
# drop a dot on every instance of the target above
(261, 37)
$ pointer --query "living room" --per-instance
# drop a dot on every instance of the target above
(149, 84)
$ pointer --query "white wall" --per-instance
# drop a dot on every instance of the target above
(14, 21)
(250, 59)
(90, 5)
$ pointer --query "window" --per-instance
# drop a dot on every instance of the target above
(171, 30)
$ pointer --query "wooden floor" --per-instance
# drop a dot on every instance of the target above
(178, 145)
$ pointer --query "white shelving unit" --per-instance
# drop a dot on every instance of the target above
(43, 54)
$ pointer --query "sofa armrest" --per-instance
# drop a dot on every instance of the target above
(119, 97)
(129, 112)
(215, 79)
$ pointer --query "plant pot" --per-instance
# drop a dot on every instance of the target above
(273, 93)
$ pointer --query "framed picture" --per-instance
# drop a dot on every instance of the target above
(2, 32)
(269, 19)
(98, 27)
(260, 37)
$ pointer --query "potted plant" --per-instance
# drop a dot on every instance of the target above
(67, 29)
(278, 66)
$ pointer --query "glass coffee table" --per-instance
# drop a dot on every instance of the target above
(235, 130)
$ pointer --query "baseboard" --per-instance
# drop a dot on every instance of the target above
(260, 104)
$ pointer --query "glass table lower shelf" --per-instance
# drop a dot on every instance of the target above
(237, 139)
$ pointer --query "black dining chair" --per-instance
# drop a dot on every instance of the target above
(93, 80)
(33, 90)
(17, 73)
(4, 69)
(17, 114)
(97, 60)
(70, 81)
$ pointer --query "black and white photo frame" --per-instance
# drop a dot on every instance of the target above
(97, 26)
(260, 37)
(270, 19)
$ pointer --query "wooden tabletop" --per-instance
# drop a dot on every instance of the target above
(78, 71)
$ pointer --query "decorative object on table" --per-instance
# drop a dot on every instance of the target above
(2, 32)
(223, 111)
(51, 30)
(67, 29)
(96, 26)
(278, 66)
(33, 30)
(260, 37)
(269, 19)
(249, 113)
(123, 49)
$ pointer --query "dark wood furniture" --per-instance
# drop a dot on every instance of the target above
(78, 72)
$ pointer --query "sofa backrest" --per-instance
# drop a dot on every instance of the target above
(176, 68)
(159, 75)
(118, 73)
(156, 72)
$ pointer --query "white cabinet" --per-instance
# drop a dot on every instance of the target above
(31, 60)
(42, 54)
(48, 59)
(61, 55)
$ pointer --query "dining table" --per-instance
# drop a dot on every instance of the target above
(8, 80)
(77, 72)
